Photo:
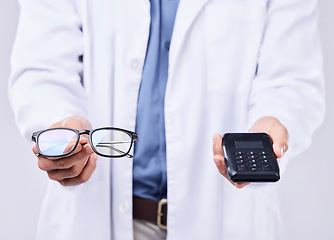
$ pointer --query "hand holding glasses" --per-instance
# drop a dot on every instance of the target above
(106, 142)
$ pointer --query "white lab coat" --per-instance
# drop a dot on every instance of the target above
(231, 62)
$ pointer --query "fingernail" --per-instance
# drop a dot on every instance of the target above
(282, 151)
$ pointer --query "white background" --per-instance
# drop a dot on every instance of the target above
(306, 189)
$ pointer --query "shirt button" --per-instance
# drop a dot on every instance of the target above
(167, 45)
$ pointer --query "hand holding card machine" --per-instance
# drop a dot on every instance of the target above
(250, 157)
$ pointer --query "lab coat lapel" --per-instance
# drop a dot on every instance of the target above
(186, 14)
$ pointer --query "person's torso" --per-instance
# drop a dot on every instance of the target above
(212, 61)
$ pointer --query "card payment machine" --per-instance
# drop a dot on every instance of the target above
(250, 157)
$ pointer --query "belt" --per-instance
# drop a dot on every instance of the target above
(151, 211)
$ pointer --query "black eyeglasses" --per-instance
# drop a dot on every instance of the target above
(106, 142)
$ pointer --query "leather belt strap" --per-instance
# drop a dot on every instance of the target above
(151, 211)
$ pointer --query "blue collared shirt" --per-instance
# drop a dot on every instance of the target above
(149, 166)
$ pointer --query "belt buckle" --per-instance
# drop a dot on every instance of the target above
(161, 203)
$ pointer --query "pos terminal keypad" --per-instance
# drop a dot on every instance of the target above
(250, 157)
(252, 161)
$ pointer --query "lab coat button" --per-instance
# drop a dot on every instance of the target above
(136, 65)
(124, 207)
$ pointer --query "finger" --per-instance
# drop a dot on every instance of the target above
(82, 141)
(67, 149)
(80, 154)
(74, 171)
(84, 176)
(220, 163)
(34, 149)
(219, 160)
(76, 122)
(280, 137)
(241, 185)
(217, 144)
(280, 148)
(277, 132)
(218, 155)
(70, 146)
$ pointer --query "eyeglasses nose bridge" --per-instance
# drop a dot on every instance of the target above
(84, 131)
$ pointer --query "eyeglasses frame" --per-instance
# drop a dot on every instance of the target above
(133, 135)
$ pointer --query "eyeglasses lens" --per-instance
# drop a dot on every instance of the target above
(57, 142)
(110, 142)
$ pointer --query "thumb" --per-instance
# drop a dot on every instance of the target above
(276, 131)
(280, 138)
(280, 145)
(76, 122)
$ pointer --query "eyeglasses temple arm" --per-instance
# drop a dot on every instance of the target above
(115, 149)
